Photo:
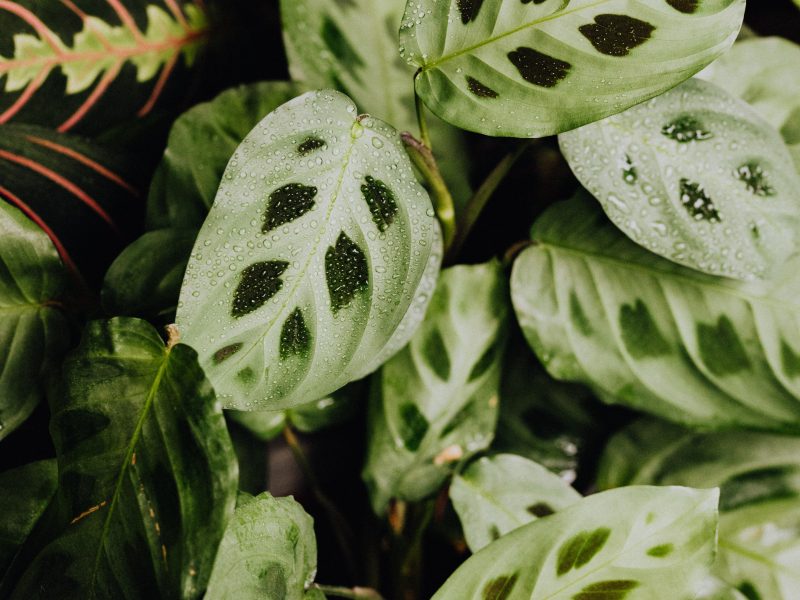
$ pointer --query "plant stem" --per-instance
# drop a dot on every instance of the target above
(344, 536)
(358, 593)
(422, 157)
(480, 198)
(421, 120)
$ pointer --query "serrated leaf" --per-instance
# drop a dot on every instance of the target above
(360, 291)
(533, 69)
(34, 333)
(653, 335)
(147, 473)
(597, 549)
(269, 551)
(696, 176)
(759, 479)
(498, 494)
(435, 403)
(90, 64)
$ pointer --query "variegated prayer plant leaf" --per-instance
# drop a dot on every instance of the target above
(696, 176)
(86, 65)
(435, 404)
(316, 261)
(635, 543)
(532, 69)
(759, 480)
(656, 336)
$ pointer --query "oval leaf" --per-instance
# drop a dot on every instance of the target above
(532, 69)
(317, 259)
(653, 335)
(435, 403)
(696, 176)
(601, 548)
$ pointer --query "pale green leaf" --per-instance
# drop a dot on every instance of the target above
(636, 543)
(435, 403)
(316, 261)
(269, 551)
(532, 69)
(696, 176)
(759, 478)
(653, 335)
(498, 494)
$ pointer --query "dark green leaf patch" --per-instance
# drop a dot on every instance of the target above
(579, 318)
(630, 174)
(483, 363)
(721, 349)
(661, 550)
(436, 355)
(686, 129)
(413, 426)
(346, 272)
(310, 145)
(697, 203)
(225, 353)
(749, 591)
(755, 178)
(790, 360)
(755, 487)
(259, 282)
(685, 6)
(616, 589)
(617, 35)
(381, 202)
(538, 68)
(580, 549)
(295, 336)
(469, 9)
(640, 334)
(479, 89)
(340, 47)
(288, 203)
(500, 588)
(541, 509)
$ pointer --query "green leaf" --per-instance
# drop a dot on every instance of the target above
(759, 480)
(93, 66)
(25, 493)
(664, 339)
(696, 176)
(282, 314)
(523, 69)
(145, 280)
(33, 330)
(435, 403)
(147, 473)
(201, 142)
(597, 549)
(269, 551)
(498, 494)
(352, 46)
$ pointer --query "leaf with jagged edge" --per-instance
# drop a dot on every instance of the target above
(147, 473)
(497, 494)
(435, 403)
(86, 65)
(269, 551)
(653, 335)
(533, 69)
(635, 543)
(317, 260)
(34, 332)
(696, 176)
(759, 478)
(352, 46)
(764, 73)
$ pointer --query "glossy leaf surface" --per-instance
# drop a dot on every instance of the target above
(435, 403)
(696, 176)
(317, 260)
(533, 69)
(653, 335)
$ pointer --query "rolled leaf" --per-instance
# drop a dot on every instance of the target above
(269, 551)
(33, 330)
(435, 403)
(696, 176)
(653, 335)
(317, 260)
(87, 65)
(533, 69)
(147, 472)
(634, 543)
(498, 494)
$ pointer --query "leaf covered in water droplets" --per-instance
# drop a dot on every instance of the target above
(695, 176)
(316, 261)
(533, 69)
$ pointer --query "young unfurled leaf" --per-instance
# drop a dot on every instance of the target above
(599, 549)
(33, 329)
(532, 69)
(294, 289)
(435, 403)
(696, 176)
(498, 494)
(662, 338)
(269, 551)
(759, 479)
(92, 64)
(146, 471)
